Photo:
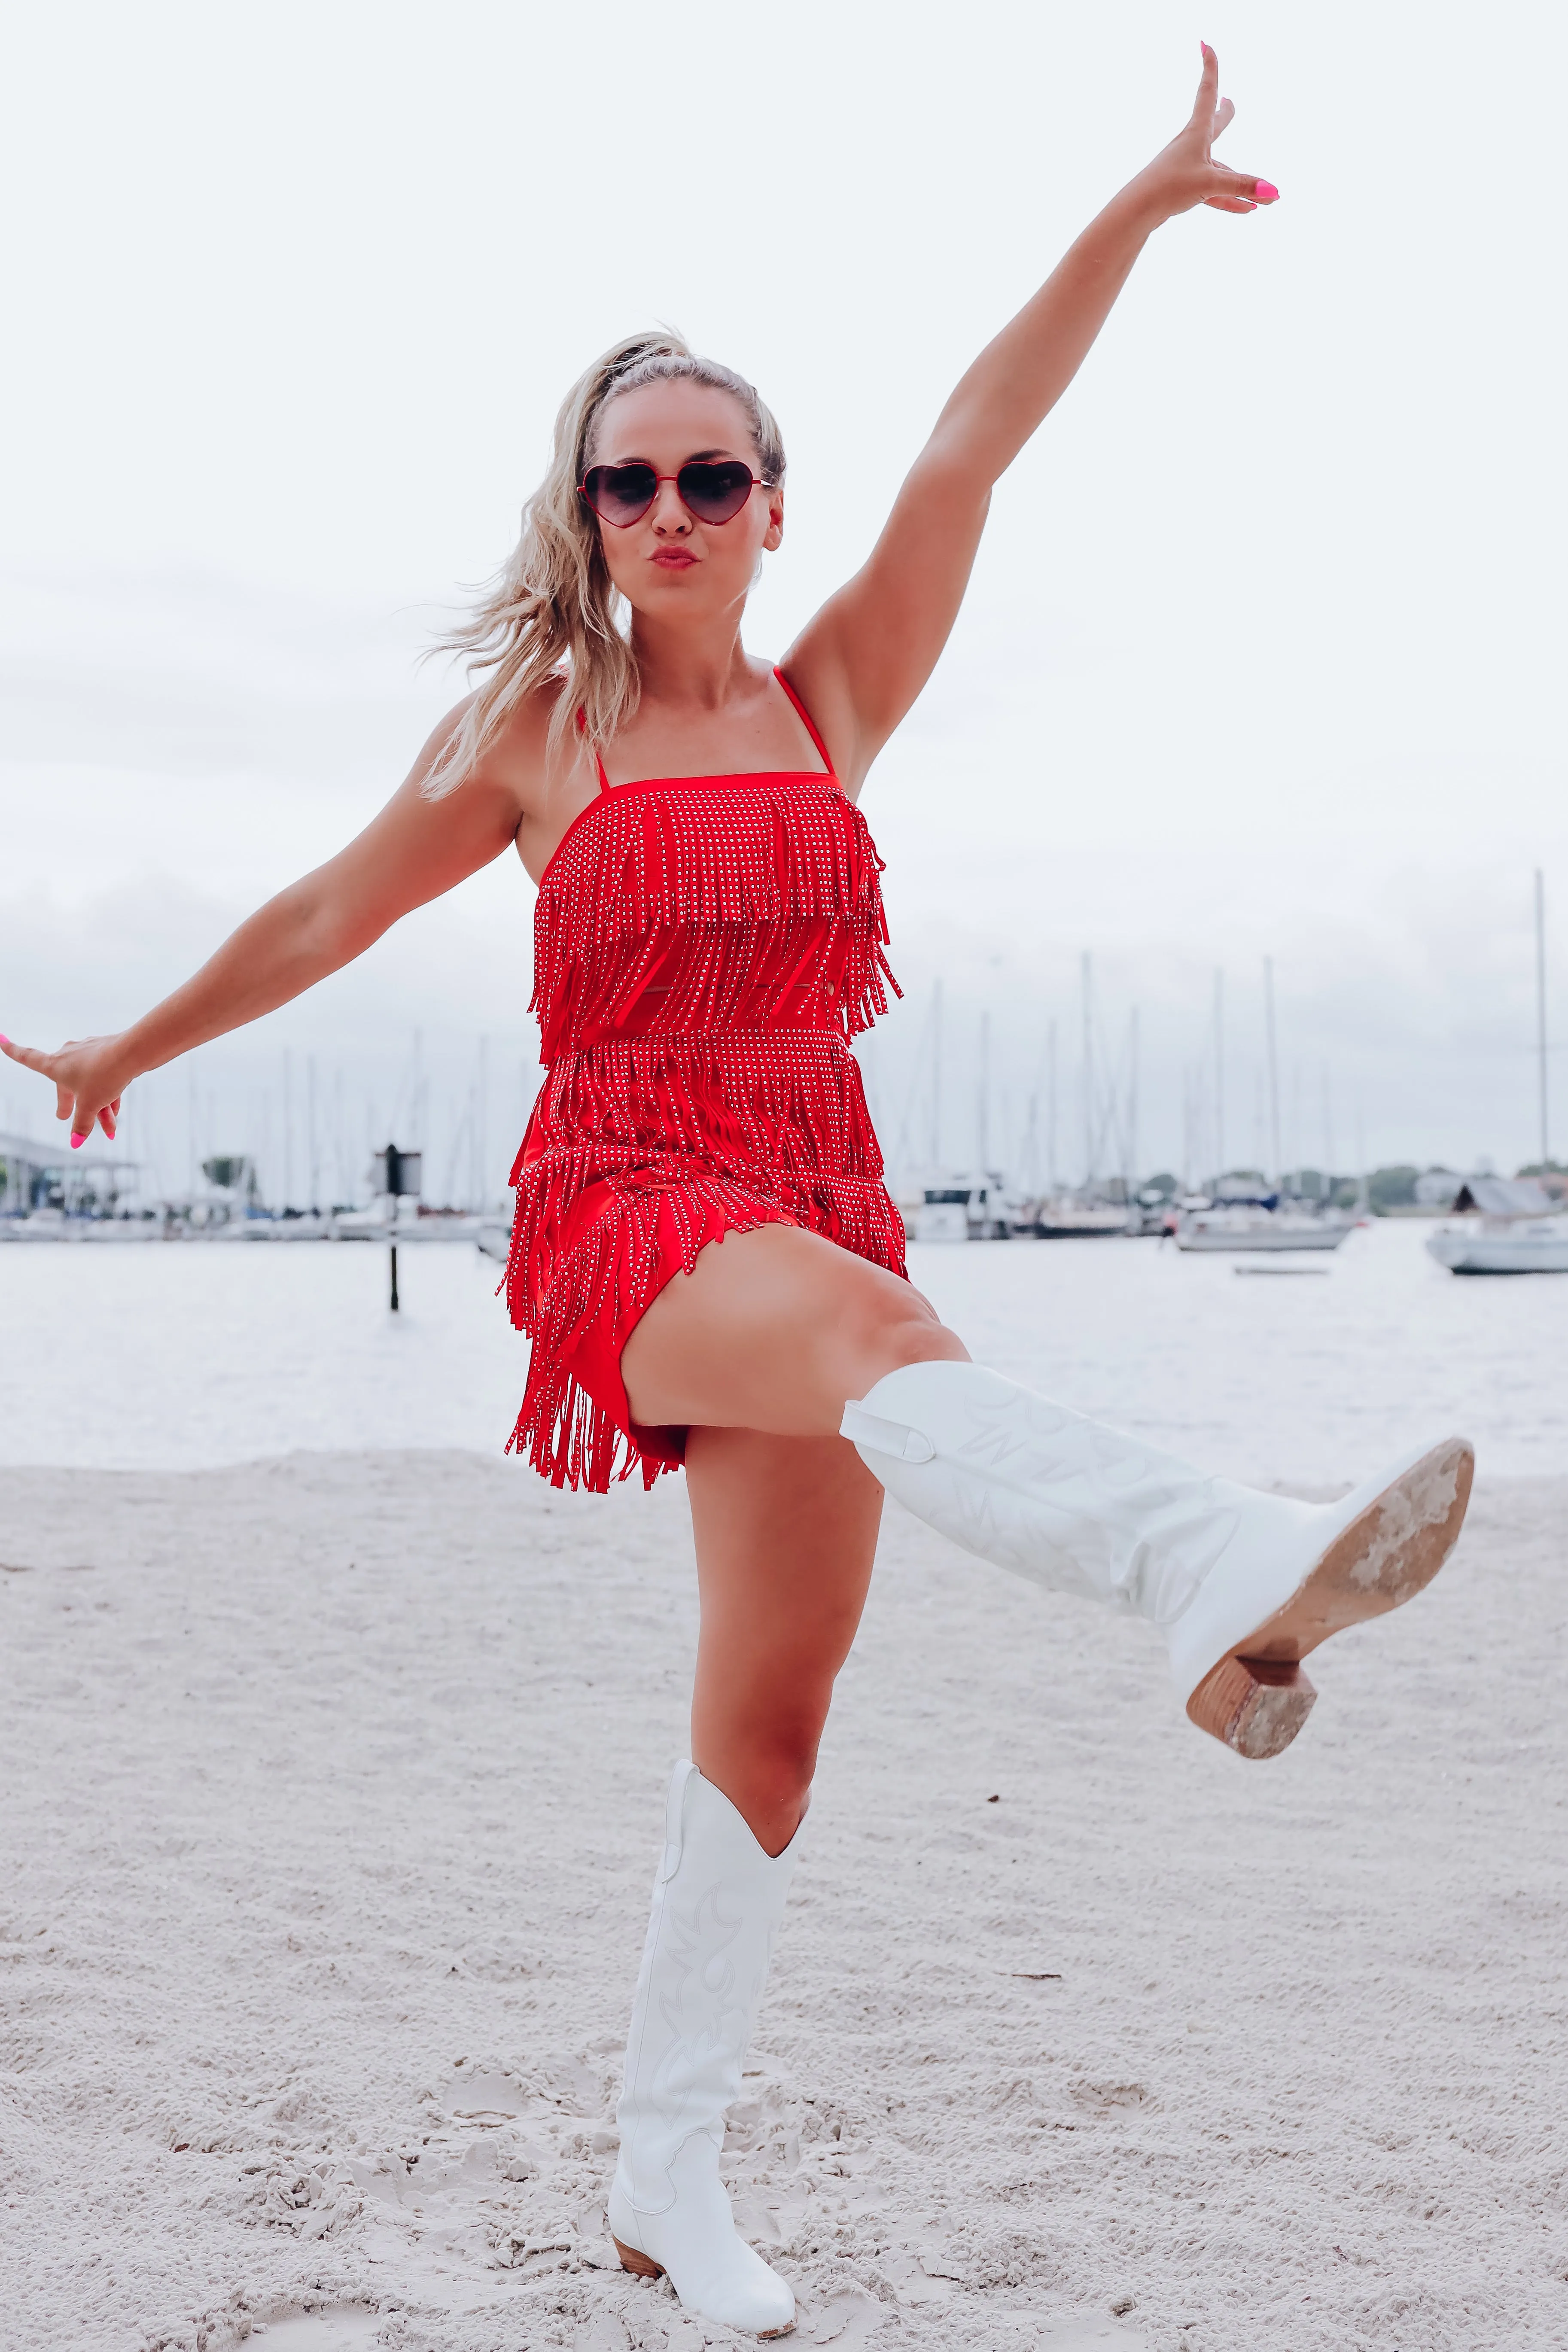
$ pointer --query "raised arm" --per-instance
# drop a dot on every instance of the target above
(863, 659)
(411, 853)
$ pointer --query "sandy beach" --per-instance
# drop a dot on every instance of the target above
(331, 1793)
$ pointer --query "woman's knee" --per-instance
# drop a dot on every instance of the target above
(766, 1772)
(899, 1327)
(778, 1736)
(781, 1766)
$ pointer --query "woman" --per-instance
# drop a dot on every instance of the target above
(705, 1257)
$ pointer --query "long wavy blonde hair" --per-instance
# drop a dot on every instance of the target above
(553, 607)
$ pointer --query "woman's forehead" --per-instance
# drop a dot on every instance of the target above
(675, 419)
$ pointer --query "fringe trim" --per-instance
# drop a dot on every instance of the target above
(615, 1269)
(768, 1115)
(733, 895)
(737, 908)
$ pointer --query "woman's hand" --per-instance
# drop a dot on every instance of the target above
(89, 1075)
(1184, 174)
(861, 662)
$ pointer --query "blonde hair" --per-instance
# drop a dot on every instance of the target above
(553, 607)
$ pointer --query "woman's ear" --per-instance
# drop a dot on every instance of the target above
(773, 535)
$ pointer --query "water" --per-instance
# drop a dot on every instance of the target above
(187, 1355)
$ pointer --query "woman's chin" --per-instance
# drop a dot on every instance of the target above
(694, 593)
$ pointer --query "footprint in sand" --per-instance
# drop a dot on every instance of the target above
(334, 2329)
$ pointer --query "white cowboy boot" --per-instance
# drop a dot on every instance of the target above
(1243, 1584)
(717, 1903)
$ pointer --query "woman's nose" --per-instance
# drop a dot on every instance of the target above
(668, 514)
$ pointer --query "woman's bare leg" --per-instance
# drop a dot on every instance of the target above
(756, 1353)
(776, 1330)
(785, 1531)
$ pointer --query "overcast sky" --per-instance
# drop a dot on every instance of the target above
(1263, 655)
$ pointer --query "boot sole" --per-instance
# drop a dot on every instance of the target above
(643, 2266)
(1256, 1698)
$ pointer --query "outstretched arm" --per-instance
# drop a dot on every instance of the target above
(412, 852)
(862, 661)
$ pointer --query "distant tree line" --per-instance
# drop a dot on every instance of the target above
(1394, 1188)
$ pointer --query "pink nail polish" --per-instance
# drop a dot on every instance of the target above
(77, 1142)
(3, 1039)
(1267, 193)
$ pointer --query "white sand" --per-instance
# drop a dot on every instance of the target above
(323, 1775)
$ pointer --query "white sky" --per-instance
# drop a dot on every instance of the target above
(1263, 652)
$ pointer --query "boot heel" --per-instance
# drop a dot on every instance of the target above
(639, 2265)
(1256, 1705)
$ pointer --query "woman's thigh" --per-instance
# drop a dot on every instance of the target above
(773, 1331)
(785, 1531)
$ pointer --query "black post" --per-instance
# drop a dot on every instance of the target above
(394, 1277)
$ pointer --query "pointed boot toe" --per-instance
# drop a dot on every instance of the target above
(694, 2243)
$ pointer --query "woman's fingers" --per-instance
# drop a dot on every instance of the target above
(1225, 115)
(1247, 185)
(63, 1069)
(1207, 98)
(1228, 205)
(29, 1057)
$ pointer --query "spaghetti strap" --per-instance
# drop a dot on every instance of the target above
(806, 721)
(582, 730)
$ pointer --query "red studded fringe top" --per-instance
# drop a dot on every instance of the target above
(703, 948)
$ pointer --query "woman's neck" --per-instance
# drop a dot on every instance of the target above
(691, 668)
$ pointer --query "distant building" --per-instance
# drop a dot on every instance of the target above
(1438, 1189)
(36, 1175)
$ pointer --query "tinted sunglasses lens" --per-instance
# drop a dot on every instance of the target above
(620, 494)
(715, 493)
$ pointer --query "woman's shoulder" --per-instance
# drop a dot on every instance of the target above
(519, 748)
(524, 735)
(511, 756)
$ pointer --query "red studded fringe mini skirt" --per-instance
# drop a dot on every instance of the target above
(704, 947)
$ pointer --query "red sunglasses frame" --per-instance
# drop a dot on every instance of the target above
(755, 482)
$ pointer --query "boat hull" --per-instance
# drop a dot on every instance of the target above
(1306, 1236)
(1540, 1250)
(1061, 1229)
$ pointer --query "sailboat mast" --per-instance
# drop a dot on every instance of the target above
(1218, 1074)
(1540, 1010)
(1131, 1179)
(1087, 1083)
(936, 1079)
(1051, 1116)
(1275, 1172)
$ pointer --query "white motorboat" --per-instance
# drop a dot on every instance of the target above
(1266, 1224)
(1503, 1225)
(966, 1207)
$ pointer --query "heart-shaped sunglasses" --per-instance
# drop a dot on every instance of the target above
(622, 494)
